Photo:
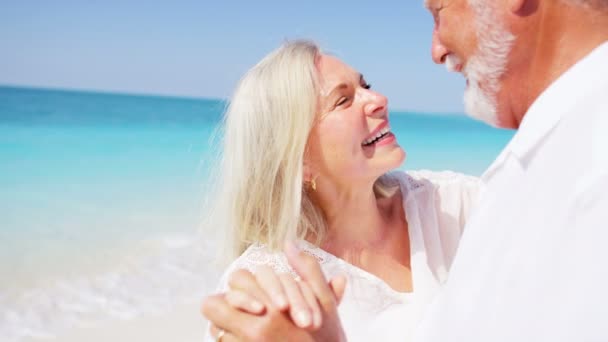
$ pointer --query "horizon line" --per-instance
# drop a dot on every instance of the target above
(177, 96)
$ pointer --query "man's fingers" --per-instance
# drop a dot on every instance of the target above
(308, 268)
(226, 336)
(244, 281)
(269, 281)
(223, 316)
(243, 301)
(338, 286)
(298, 307)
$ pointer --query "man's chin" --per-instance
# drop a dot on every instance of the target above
(479, 106)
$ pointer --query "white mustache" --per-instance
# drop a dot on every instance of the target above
(453, 63)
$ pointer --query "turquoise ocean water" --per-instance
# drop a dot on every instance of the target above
(101, 196)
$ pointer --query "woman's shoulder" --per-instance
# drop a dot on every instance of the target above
(259, 254)
(255, 256)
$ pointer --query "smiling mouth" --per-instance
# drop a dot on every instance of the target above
(383, 133)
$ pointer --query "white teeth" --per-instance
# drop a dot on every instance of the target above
(380, 133)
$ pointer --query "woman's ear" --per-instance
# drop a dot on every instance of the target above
(307, 173)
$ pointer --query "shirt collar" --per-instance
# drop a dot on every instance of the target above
(555, 102)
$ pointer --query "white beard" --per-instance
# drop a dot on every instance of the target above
(487, 65)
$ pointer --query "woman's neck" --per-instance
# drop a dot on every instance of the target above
(355, 214)
(368, 232)
(358, 220)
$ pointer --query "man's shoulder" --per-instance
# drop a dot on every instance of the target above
(438, 179)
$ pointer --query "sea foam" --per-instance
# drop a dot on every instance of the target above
(182, 271)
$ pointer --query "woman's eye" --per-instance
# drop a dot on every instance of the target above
(366, 85)
(341, 101)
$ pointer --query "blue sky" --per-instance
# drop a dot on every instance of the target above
(200, 48)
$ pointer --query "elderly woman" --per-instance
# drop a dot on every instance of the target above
(308, 154)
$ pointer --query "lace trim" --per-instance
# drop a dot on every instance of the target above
(258, 254)
(364, 290)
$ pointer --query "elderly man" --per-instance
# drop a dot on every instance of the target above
(533, 263)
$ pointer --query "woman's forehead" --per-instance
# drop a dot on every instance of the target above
(333, 71)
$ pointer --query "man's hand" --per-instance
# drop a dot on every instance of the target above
(273, 325)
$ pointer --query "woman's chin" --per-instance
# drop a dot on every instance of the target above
(391, 160)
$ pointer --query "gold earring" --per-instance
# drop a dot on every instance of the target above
(313, 183)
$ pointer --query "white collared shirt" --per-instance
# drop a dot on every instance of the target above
(532, 264)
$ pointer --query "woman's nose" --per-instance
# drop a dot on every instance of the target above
(376, 103)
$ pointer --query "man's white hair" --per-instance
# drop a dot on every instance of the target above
(595, 4)
(486, 66)
(598, 4)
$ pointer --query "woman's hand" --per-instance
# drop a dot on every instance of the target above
(255, 293)
(328, 295)
(263, 306)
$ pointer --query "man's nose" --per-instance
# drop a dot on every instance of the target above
(438, 50)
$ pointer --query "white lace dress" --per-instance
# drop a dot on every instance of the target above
(436, 206)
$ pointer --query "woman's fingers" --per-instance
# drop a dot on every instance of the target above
(338, 286)
(313, 304)
(309, 269)
(298, 307)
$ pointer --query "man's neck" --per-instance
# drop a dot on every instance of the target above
(551, 38)
(565, 42)
(565, 34)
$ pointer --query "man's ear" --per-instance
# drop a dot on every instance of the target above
(523, 8)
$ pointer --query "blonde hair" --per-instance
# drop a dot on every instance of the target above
(261, 197)
(266, 127)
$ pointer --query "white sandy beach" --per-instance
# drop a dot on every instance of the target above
(182, 324)
(156, 298)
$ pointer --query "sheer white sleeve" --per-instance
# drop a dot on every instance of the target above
(455, 195)
(441, 202)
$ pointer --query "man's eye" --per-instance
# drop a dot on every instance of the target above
(438, 14)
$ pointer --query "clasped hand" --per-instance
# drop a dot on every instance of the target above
(267, 306)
